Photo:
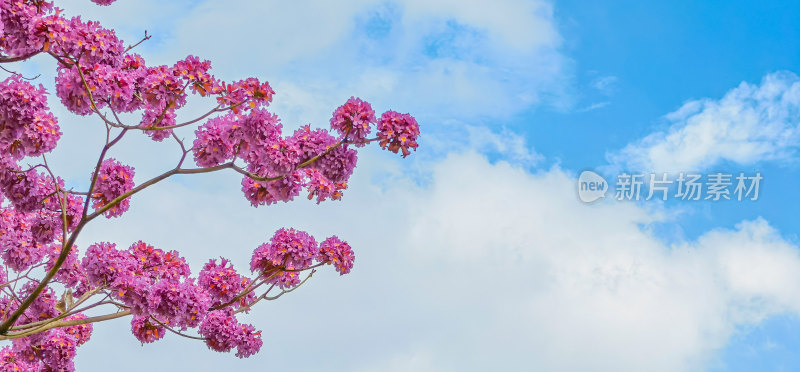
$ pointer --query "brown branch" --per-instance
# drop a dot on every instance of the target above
(146, 37)
(250, 288)
(20, 75)
(19, 58)
(61, 201)
(65, 248)
(67, 323)
(74, 322)
(176, 332)
(285, 291)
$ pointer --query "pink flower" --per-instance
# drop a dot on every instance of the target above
(43, 307)
(223, 283)
(71, 271)
(320, 186)
(20, 22)
(195, 73)
(221, 331)
(19, 250)
(354, 120)
(278, 158)
(337, 253)
(105, 265)
(155, 264)
(311, 142)
(146, 330)
(57, 350)
(249, 341)
(338, 164)
(246, 94)
(288, 251)
(398, 132)
(215, 141)
(157, 117)
(181, 304)
(161, 88)
(269, 192)
(262, 145)
(73, 94)
(113, 180)
(47, 223)
(74, 38)
(26, 190)
(12, 361)
(28, 129)
(81, 332)
(259, 128)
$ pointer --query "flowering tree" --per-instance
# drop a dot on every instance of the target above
(47, 289)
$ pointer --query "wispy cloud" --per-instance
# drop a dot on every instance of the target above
(751, 123)
(442, 59)
(604, 84)
(595, 106)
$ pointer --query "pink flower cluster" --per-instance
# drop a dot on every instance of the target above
(19, 250)
(183, 304)
(146, 329)
(398, 132)
(52, 350)
(157, 264)
(223, 332)
(223, 284)
(34, 221)
(28, 128)
(71, 272)
(288, 252)
(157, 288)
(310, 158)
(337, 253)
(216, 141)
(20, 24)
(25, 190)
(354, 120)
(291, 251)
(322, 187)
(96, 72)
(12, 361)
(146, 279)
(112, 181)
(246, 94)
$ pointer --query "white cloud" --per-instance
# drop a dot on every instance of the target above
(438, 59)
(548, 282)
(486, 266)
(751, 123)
(520, 24)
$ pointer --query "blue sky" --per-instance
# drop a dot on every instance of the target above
(475, 253)
(662, 55)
